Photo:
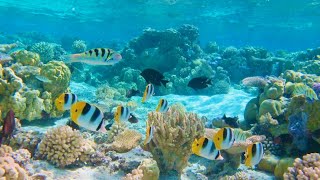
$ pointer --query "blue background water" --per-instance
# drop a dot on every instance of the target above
(273, 24)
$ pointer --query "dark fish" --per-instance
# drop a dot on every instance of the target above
(231, 121)
(132, 92)
(132, 118)
(154, 77)
(199, 82)
(8, 127)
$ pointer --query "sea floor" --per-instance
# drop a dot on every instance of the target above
(231, 104)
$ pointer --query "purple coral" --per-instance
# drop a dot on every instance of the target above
(255, 81)
(298, 129)
(316, 88)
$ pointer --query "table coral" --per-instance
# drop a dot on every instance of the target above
(174, 134)
(126, 141)
(306, 168)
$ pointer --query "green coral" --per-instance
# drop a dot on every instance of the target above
(59, 75)
(27, 58)
(270, 106)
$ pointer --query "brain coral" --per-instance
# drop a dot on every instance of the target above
(59, 74)
(62, 146)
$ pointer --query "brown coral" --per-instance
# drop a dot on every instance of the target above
(174, 134)
(306, 168)
(126, 141)
(63, 146)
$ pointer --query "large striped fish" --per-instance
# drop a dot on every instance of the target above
(205, 148)
(97, 56)
(88, 116)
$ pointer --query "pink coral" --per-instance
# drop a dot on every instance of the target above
(255, 81)
(306, 168)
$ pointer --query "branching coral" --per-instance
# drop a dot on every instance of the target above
(45, 50)
(306, 168)
(174, 134)
(63, 146)
(115, 130)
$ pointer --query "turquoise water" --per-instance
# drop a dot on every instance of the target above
(285, 24)
(146, 89)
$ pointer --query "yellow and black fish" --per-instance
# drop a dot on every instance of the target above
(88, 116)
(149, 91)
(205, 147)
(65, 101)
(253, 154)
(149, 133)
(224, 138)
(122, 114)
(97, 56)
(162, 106)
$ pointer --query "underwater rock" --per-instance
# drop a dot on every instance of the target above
(255, 81)
(251, 111)
(173, 136)
(282, 167)
(268, 163)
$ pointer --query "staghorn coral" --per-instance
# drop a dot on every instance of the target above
(173, 136)
(125, 141)
(79, 46)
(10, 170)
(306, 168)
(63, 146)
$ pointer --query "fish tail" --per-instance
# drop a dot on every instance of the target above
(164, 82)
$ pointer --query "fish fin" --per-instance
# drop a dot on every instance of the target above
(164, 82)
(103, 129)
(220, 157)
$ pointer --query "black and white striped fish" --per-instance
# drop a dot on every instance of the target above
(224, 138)
(122, 114)
(97, 56)
(162, 106)
(88, 116)
(149, 91)
(65, 101)
(253, 154)
(206, 148)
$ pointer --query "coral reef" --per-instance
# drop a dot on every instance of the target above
(306, 168)
(125, 141)
(147, 170)
(79, 46)
(48, 51)
(63, 146)
(174, 134)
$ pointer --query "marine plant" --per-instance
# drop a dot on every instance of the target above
(174, 134)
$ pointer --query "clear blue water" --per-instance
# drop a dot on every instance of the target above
(273, 24)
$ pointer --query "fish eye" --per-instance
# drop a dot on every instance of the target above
(197, 144)
(218, 139)
(76, 110)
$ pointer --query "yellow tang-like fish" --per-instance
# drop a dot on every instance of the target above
(224, 138)
(148, 92)
(253, 154)
(65, 101)
(97, 56)
(149, 133)
(122, 114)
(205, 148)
(87, 116)
(162, 106)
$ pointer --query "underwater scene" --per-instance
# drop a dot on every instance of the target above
(160, 89)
